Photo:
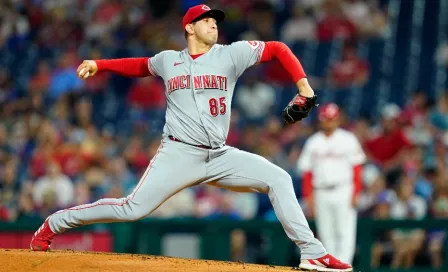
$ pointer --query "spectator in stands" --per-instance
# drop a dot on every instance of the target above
(212, 203)
(441, 56)
(441, 154)
(5, 149)
(414, 118)
(238, 7)
(273, 140)
(81, 118)
(9, 94)
(119, 180)
(9, 191)
(14, 28)
(135, 154)
(255, 98)
(314, 5)
(105, 18)
(226, 208)
(21, 143)
(235, 206)
(272, 150)
(26, 208)
(439, 210)
(47, 139)
(234, 136)
(178, 206)
(245, 203)
(381, 211)
(439, 116)
(61, 114)
(147, 93)
(54, 184)
(436, 156)
(300, 27)
(351, 70)
(83, 193)
(415, 109)
(369, 20)
(95, 177)
(335, 23)
(250, 138)
(362, 128)
(388, 149)
(407, 242)
(90, 148)
(109, 142)
(64, 80)
(374, 184)
(68, 155)
(208, 199)
(260, 19)
(40, 81)
(415, 169)
(49, 203)
(55, 29)
(357, 11)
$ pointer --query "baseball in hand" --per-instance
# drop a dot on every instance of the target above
(86, 75)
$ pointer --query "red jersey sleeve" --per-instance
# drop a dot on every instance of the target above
(282, 53)
(130, 67)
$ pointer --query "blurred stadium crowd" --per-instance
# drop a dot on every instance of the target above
(65, 142)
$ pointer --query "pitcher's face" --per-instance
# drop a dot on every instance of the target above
(206, 30)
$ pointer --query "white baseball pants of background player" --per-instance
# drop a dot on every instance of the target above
(177, 166)
(336, 220)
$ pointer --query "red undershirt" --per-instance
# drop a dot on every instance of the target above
(196, 56)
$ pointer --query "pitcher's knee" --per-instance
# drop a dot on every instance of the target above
(134, 212)
(285, 178)
(282, 180)
(134, 216)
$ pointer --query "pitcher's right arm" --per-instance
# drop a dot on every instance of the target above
(129, 67)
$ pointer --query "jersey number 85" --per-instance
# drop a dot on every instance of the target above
(215, 104)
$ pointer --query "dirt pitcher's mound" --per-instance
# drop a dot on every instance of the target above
(68, 260)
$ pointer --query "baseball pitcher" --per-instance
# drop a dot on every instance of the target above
(199, 82)
(331, 165)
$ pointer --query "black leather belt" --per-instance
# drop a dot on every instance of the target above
(200, 146)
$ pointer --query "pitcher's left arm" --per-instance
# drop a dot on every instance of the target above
(305, 99)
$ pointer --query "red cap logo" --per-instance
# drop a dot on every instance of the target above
(328, 111)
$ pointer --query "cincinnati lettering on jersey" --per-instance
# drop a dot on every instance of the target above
(199, 82)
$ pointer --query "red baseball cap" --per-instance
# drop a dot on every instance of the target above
(198, 11)
(329, 111)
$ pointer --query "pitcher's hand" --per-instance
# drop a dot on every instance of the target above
(87, 69)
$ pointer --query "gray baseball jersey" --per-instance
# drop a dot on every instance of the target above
(199, 94)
